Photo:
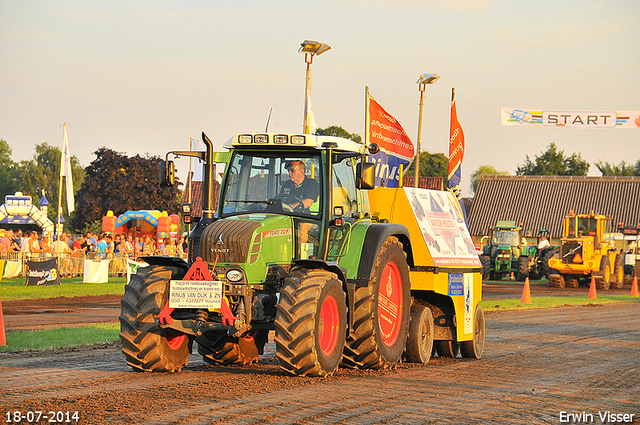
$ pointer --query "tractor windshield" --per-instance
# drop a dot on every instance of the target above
(505, 237)
(586, 226)
(271, 182)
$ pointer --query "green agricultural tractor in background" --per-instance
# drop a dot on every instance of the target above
(507, 253)
(503, 254)
(349, 274)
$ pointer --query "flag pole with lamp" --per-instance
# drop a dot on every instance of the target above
(65, 171)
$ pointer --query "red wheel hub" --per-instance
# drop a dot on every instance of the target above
(174, 339)
(390, 298)
(329, 326)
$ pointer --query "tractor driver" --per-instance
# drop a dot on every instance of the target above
(300, 187)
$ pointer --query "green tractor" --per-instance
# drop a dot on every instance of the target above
(302, 244)
(538, 255)
(504, 253)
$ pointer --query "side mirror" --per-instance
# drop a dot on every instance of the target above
(366, 175)
(167, 174)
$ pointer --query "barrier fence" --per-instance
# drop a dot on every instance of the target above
(69, 264)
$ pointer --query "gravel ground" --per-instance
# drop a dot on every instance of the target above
(538, 367)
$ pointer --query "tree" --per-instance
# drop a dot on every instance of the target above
(8, 184)
(623, 169)
(554, 163)
(482, 171)
(336, 131)
(120, 183)
(431, 165)
(41, 175)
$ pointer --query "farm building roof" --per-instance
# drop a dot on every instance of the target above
(541, 202)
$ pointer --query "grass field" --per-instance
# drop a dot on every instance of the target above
(15, 288)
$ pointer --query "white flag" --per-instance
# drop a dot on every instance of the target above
(309, 118)
(65, 170)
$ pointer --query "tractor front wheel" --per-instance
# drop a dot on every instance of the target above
(382, 312)
(523, 267)
(221, 349)
(603, 280)
(311, 323)
(618, 271)
(556, 280)
(146, 346)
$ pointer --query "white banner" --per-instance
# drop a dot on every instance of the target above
(96, 271)
(572, 119)
(12, 269)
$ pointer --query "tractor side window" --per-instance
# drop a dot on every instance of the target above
(344, 186)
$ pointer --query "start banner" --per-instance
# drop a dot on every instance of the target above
(43, 272)
(572, 119)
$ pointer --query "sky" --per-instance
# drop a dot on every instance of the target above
(144, 77)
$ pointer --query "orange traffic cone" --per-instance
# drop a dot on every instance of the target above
(526, 293)
(3, 338)
(592, 289)
(634, 287)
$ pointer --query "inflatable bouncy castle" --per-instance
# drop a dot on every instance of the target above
(158, 225)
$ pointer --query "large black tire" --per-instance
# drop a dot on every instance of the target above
(618, 271)
(556, 280)
(523, 267)
(603, 279)
(420, 338)
(382, 312)
(545, 270)
(447, 349)
(146, 346)
(473, 349)
(221, 349)
(485, 260)
(311, 323)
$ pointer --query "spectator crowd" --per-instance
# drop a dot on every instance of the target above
(32, 244)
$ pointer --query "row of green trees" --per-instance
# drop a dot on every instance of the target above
(113, 181)
(116, 182)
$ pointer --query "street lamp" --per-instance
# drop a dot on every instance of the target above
(310, 49)
(423, 82)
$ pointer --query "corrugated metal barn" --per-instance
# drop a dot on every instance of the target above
(541, 202)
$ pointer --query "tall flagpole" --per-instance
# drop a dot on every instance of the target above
(59, 224)
(366, 115)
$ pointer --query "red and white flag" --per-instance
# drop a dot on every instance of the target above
(396, 148)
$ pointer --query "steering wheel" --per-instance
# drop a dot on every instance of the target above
(287, 200)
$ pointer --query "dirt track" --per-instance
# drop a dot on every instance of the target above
(537, 364)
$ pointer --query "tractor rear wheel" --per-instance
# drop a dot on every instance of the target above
(311, 323)
(523, 267)
(420, 338)
(146, 346)
(545, 270)
(382, 312)
(485, 260)
(473, 349)
(603, 280)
